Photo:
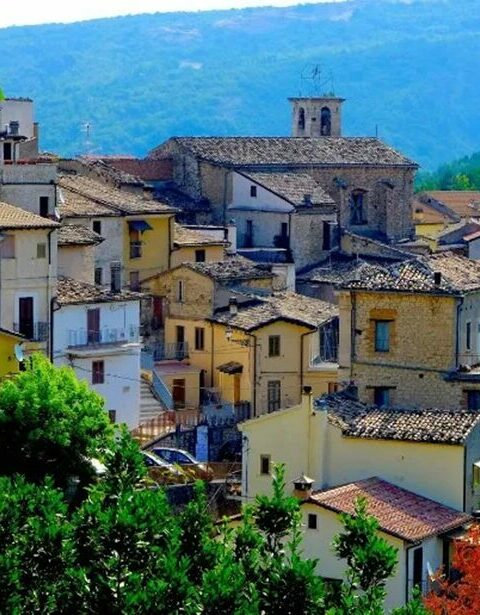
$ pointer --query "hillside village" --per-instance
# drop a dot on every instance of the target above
(262, 300)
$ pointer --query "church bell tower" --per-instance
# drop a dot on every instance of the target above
(318, 116)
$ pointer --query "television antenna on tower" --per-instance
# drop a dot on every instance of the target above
(87, 129)
(318, 81)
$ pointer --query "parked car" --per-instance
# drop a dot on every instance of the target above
(185, 460)
(162, 471)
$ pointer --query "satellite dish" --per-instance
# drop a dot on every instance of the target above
(19, 353)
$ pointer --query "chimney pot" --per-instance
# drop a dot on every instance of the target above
(233, 306)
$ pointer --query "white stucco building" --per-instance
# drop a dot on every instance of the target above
(96, 331)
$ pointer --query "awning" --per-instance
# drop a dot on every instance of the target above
(139, 225)
(232, 367)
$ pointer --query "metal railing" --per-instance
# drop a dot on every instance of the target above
(34, 331)
(135, 249)
(84, 337)
(164, 352)
(162, 391)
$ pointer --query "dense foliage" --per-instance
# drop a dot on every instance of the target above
(407, 68)
(460, 595)
(463, 174)
(51, 424)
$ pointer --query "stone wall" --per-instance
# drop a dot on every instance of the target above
(306, 237)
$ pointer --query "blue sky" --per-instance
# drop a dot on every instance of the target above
(49, 11)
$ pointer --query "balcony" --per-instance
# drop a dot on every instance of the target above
(168, 352)
(136, 249)
(33, 331)
(83, 337)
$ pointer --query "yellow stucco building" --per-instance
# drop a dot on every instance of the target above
(11, 349)
(423, 461)
(408, 333)
(196, 246)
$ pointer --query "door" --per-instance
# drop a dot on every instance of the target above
(236, 388)
(418, 567)
(25, 316)
(157, 310)
(180, 350)
(274, 395)
(178, 393)
(93, 326)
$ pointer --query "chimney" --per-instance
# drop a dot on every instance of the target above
(307, 200)
(302, 487)
(115, 277)
(437, 278)
(233, 306)
(231, 237)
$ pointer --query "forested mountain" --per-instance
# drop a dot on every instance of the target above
(409, 67)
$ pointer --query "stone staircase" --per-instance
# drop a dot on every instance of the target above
(150, 406)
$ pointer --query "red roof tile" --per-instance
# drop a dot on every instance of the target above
(399, 512)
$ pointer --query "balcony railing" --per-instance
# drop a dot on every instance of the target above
(135, 249)
(164, 352)
(83, 337)
(34, 331)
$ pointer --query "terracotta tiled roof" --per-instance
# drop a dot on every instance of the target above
(342, 270)
(71, 292)
(360, 420)
(12, 217)
(279, 306)
(464, 203)
(85, 197)
(399, 512)
(293, 187)
(189, 237)
(231, 269)
(146, 169)
(425, 213)
(458, 275)
(77, 235)
(263, 151)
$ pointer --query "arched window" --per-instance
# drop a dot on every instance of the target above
(325, 122)
(301, 118)
(357, 207)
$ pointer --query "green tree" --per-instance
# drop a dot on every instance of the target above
(51, 424)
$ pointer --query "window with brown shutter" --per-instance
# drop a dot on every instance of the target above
(98, 372)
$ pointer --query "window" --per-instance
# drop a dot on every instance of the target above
(134, 280)
(7, 151)
(468, 336)
(93, 326)
(329, 341)
(253, 191)
(112, 415)
(181, 291)
(98, 372)
(25, 315)
(199, 338)
(381, 397)
(382, 335)
(7, 247)
(473, 400)
(357, 214)
(332, 387)
(312, 521)
(97, 226)
(41, 250)
(274, 395)
(273, 345)
(43, 206)
(199, 256)
(325, 122)
(301, 118)
(98, 275)
(264, 464)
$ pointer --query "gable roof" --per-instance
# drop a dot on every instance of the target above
(293, 187)
(341, 269)
(463, 203)
(458, 275)
(231, 269)
(13, 217)
(84, 196)
(296, 151)
(399, 512)
(429, 211)
(190, 237)
(77, 235)
(75, 292)
(359, 420)
(289, 306)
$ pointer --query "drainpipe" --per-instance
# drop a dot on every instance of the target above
(457, 340)
(50, 300)
(255, 344)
